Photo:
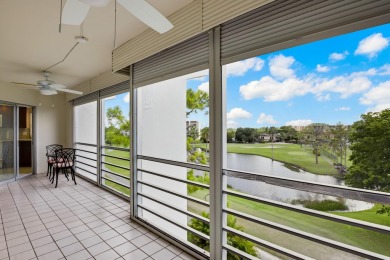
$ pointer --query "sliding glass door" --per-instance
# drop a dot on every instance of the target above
(7, 142)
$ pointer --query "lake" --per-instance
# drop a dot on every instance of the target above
(262, 165)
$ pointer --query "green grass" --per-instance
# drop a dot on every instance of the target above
(117, 170)
(366, 239)
(287, 153)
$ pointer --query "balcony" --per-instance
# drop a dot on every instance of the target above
(74, 222)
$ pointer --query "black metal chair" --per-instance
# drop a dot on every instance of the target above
(50, 154)
(64, 160)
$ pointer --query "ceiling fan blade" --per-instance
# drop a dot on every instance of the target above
(147, 14)
(69, 91)
(97, 3)
(21, 83)
(74, 12)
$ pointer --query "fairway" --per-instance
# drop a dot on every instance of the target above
(301, 157)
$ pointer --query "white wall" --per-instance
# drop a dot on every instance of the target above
(51, 122)
(162, 133)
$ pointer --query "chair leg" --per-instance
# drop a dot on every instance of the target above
(74, 177)
(57, 171)
(65, 172)
(47, 173)
(54, 169)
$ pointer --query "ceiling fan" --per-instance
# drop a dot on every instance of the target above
(75, 11)
(48, 87)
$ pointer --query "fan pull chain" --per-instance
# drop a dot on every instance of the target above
(60, 25)
(115, 27)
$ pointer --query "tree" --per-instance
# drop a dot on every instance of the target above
(288, 133)
(233, 240)
(204, 135)
(316, 132)
(197, 101)
(339, 139)
(118, 130)
(230, 134)
(370, 146)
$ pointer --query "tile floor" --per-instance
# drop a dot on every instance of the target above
(72, 222)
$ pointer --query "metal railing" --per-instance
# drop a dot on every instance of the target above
(84, 166)
(109, 175)
(319, 188)
(168, 204)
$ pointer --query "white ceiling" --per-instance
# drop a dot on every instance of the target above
(30, 41)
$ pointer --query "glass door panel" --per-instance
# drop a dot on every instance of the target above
(25, 135)
(7, 142)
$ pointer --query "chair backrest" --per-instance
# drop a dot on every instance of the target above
(51, 149)
(66, 156)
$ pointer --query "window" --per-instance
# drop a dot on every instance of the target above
(115, 150)
(85, 138)
(172, 171)
(294, 118)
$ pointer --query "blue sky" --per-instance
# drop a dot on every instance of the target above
(329, 81)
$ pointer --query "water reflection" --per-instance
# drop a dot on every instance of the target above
(262, 165)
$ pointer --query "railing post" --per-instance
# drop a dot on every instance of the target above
(133, 146)
(216, 146)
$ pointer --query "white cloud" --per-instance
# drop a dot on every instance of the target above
(231, 124)
(204, 87)
(239, 68)
(378, 98)
(127, 98)
(321, 68)
(280, 66)
(266, 119)
(384, 70)
(273, 90)
(372, 45)
(299, 122)
(338, 56)
(343, 85)
(343, 109)
(322, 98)
(238, 113)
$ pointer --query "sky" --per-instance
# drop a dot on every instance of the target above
(329, 81)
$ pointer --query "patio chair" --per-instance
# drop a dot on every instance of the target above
(50, 154)
(64, 159)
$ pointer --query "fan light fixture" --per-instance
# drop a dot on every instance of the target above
(48, 92)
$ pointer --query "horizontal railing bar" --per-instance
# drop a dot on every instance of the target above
(86, 170)
(186, 212)
(115, 192)
(175, 163)
(194, 231)
(118, 166)
(86, 144)
(116, 174)
(112, 180)
(116, 148)
(204, 203)
(116, 157)
(308, 236)
(322, 188)
(323, 215)
(194, 183)
(239, 252)
(86, 164)
(86, 158)
(266, 244)
(82, 150)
